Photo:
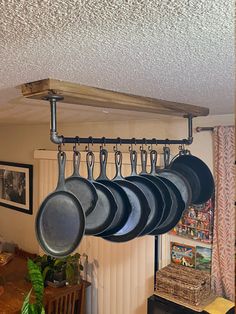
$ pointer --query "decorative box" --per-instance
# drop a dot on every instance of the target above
(188, 285)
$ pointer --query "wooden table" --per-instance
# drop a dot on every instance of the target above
(16, 287)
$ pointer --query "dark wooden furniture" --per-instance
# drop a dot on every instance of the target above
(66, 301)
(158, 305)
(16, 288)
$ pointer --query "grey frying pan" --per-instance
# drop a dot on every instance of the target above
(202, 172)
(176, 210)
(100, 219)
(122, 201)
(139, 207)
(151, 192)
(176, 178)
(174, 204)
(60, 220)
(164, 199)
(82, 188)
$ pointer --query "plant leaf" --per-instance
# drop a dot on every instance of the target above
(37, 282)
(26, 305)
(45, 271)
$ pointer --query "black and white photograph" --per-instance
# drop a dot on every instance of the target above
(16, 186)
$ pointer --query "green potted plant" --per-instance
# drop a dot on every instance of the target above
(36, 279)
(57, 271)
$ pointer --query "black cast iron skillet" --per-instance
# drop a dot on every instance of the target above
(105, 210)
(60, 220)
(121, 198)
(82, 188)
(173, 200)
(201, 170)
(139, 206)
(151, 192)
(192, 178)
(176, 210)
(176, 178)
(165, 200)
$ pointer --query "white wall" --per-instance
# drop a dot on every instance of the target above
(18, 143)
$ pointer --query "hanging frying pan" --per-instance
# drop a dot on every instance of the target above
(173, 200)
(82, 188)
(105, 210)
(201, 170)
(176, 178)
(192, 178)
(139, 207)
(151, 192)
(60, 220)
(121, 198)
(176, 210)
(165, 200)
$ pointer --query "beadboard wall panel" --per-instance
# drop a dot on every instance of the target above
(121, 273)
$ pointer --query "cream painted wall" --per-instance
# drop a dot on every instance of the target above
(18, 143)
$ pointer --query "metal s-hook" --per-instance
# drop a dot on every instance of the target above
(144, 143)
(87, 147)
(103, 143)
(150, 147)
(115, 148)
(131, 147)
(77, 142)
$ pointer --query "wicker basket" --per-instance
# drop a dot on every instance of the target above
(187, 284)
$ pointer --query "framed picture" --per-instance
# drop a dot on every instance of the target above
(182, 254)
(203, 258)
(16, 186)
(197, 223)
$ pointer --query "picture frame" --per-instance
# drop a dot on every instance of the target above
(197, 222)
(16, 186)
(203, 258)
(182, 254)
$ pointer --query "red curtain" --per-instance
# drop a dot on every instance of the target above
(223, 254)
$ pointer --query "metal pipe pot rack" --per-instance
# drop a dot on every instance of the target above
(60, 139)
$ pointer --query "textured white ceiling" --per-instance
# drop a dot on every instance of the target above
(180, 50)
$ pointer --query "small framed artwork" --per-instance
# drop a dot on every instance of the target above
(182, 254)
(16, 186)
(197, 222)
(203, 258)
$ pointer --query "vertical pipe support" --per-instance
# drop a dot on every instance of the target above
(190, 128)
(55, 138)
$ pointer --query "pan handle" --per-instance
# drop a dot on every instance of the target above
(76, 163)
(118, 163)
(133, 162)
(153, 161)
(143, 161)
(61, 157)
(166, 151)
(103, 165)
(90, 160)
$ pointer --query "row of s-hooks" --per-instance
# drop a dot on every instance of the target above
(118, 142)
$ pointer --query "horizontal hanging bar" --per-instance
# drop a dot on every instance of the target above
(96, 140)
(59, 139)
(204, 128)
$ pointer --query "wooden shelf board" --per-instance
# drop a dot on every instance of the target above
(95, 97)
